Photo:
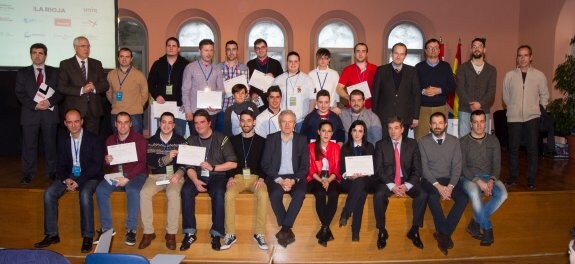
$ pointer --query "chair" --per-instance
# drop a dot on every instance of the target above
(107, 258)
(31, 256)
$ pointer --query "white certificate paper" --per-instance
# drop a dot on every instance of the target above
(44, 93)
(191, 155)
(211, 99)
(362, 86)
(111, 178)
(228, 84)
(168, 106)
(123, 153)
(359, 164)
(261, 81)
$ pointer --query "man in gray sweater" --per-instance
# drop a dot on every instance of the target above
(441, 167)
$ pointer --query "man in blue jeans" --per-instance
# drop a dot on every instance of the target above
(481, 165)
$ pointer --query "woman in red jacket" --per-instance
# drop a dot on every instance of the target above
(323, 178)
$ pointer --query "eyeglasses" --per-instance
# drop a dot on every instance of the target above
(433, 48)
(261, 48)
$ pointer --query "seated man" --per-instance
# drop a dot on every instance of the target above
(248, 176)
(134, 177)
(232, 114)
(79, 169)
(481, 165)
(310, 123)
(209, 177)
(286, 162)
(161, 156)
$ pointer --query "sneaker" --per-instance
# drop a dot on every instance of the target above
(229, 240)
(259, 238)
(130, 238)
(100, 232)
(188, 240)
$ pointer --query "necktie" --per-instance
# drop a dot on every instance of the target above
(84, 74)
(397, 70)
(40, 78)
(439, 141)
(397, 179)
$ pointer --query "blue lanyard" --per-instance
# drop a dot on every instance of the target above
(319, 80)
(125, 76)
(234, 71)
(76, 149)
(169, 73)
(355, 152)
(244, 150)
(267, 65)
(202, 69)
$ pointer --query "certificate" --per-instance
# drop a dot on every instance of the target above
(228, 84)
(362, 86)
(359, 164)
(168, 106)
(123, 153)
(211, 99)
(44, 93)
(191, 155)
(112, 178)
(261, 81)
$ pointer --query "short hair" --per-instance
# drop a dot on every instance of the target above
(398, 44)
(72, 109)
(322, 93)
(478, 112)
(286, 112)
(360, 44)
(394, 119)
(438, 114)
(39, 46)
(248, 112)
(173, 39)
(482, 40)
(238, 87)
(231, 42)
(431, 40)
(168, 114)
(125, 49)
(205, 42)
(204, 113)
(123, 114)
(292, 53)
(322, 52)
(260, 40)
(525, 47)
(274, 89)
(78, 38)
(357, 92)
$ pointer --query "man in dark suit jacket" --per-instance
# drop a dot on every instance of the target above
(286, 162)
(38, 115)
(398, 182)
(396, 90)
(83, 82)
(80, 160)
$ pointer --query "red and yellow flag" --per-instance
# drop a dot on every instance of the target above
(453, 100)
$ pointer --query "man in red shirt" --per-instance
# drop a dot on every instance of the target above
(360, 71)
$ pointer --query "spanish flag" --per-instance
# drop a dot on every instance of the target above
(453, 100)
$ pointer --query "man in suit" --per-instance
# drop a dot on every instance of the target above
(396, 90)
(398, 166)
(286, 162)
(83, 82)
(38, 115)
(79, 169)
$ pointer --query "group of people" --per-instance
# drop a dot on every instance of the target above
(291, 138)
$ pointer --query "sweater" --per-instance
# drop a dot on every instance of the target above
(135, 168)
(161, 73)
(476, 87)
(439, 76)
(440, 161)
(310, 126)
(523, 99)
(134, 91)
(158, 153)
(480, 157)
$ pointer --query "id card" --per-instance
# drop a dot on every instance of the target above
(169, 89)
(76, 170)
(119, 96)
(292, 101)
(170, 170)
(162, 179)
(205, 173)
(247, 173)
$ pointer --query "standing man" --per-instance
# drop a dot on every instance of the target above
(325, 78)
(209, 177)
(481, 165)
(232, 68)
(201, 75)
(476, 84)
(396, 90)
(82, 81)
(436, 83)
(441, 165)
(360, 71)
(357, 111)
(286, 163)
(165, 79)
(524, 89)
(248, 176)
(41, 116)
(128, 91)
(79, 169)
(266, 65)
(398, 166)
(267, 121)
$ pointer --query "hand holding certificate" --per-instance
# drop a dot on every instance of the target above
(228, 84)
(261, 81)
(123, 153)
(113, 178)
(207, 99)
(362, 86)
(44, 93)
(191, 155)
(362, 165)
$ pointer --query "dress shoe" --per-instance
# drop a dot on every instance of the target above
(442, 242)
(413, 235)
(487, 239)
(48, 240)
(216, 243)
(329, 234)
(188, 240)
(474, 230)
(382, 239)
(449, 242)
(290, 236)
(147, 240)
(322, 240)
(86, 244)
(171, 241)
(355, 236)
(343, 218)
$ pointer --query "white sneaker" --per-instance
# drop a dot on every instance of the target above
(259, 238)
(229, 240)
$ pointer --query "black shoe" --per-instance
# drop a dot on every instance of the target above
(355, 236)
(343, 218)
(86, 244)
(25, 181)
(449, 242)
(487, 239)
(474, 230)
(216, 244)
(290, 236)
(382, 239)
(442, 242)
(329, 234)
(413, 235)
(48, 240)
(323, 236)
(531, 187)
(511, 182)
(188, 240)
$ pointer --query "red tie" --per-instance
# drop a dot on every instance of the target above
(397, 179)
(40, 78)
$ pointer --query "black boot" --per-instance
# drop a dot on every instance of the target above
(487, 239)
(474, 230)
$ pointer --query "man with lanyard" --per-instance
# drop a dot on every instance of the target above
(266, 65)
(325, 78)
(360, 71)
(297, 88)
(248, 176)
(209, 176)
(267, 121)
(359, 112)
(127, 94)
(165, 79)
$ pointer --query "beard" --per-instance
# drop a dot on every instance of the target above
(438, 131)
(477, 55)
(247, 129)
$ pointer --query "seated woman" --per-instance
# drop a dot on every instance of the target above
(355, 185)
(323, 178)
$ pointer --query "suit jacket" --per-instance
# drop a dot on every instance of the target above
(71, 83)
(332, 154)
(271, 160)
(390, 101)
(26, 88)
(91, 158)
(410, 161)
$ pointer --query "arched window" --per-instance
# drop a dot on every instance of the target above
(410, 35)
(339, 38)
(190, 35)
(132, 35)
(273, 34)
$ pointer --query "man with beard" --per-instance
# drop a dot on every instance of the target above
(475, 86)
(232, 114)
(359, 112)
(360, 71)
(441, 168)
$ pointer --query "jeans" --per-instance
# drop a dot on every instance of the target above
(465, 123)
(53, 194)
(482, 212)
(137, 123)
(132, 189)
(530, 131)
(216, 186)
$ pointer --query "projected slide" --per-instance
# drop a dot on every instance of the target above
(56, 23)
